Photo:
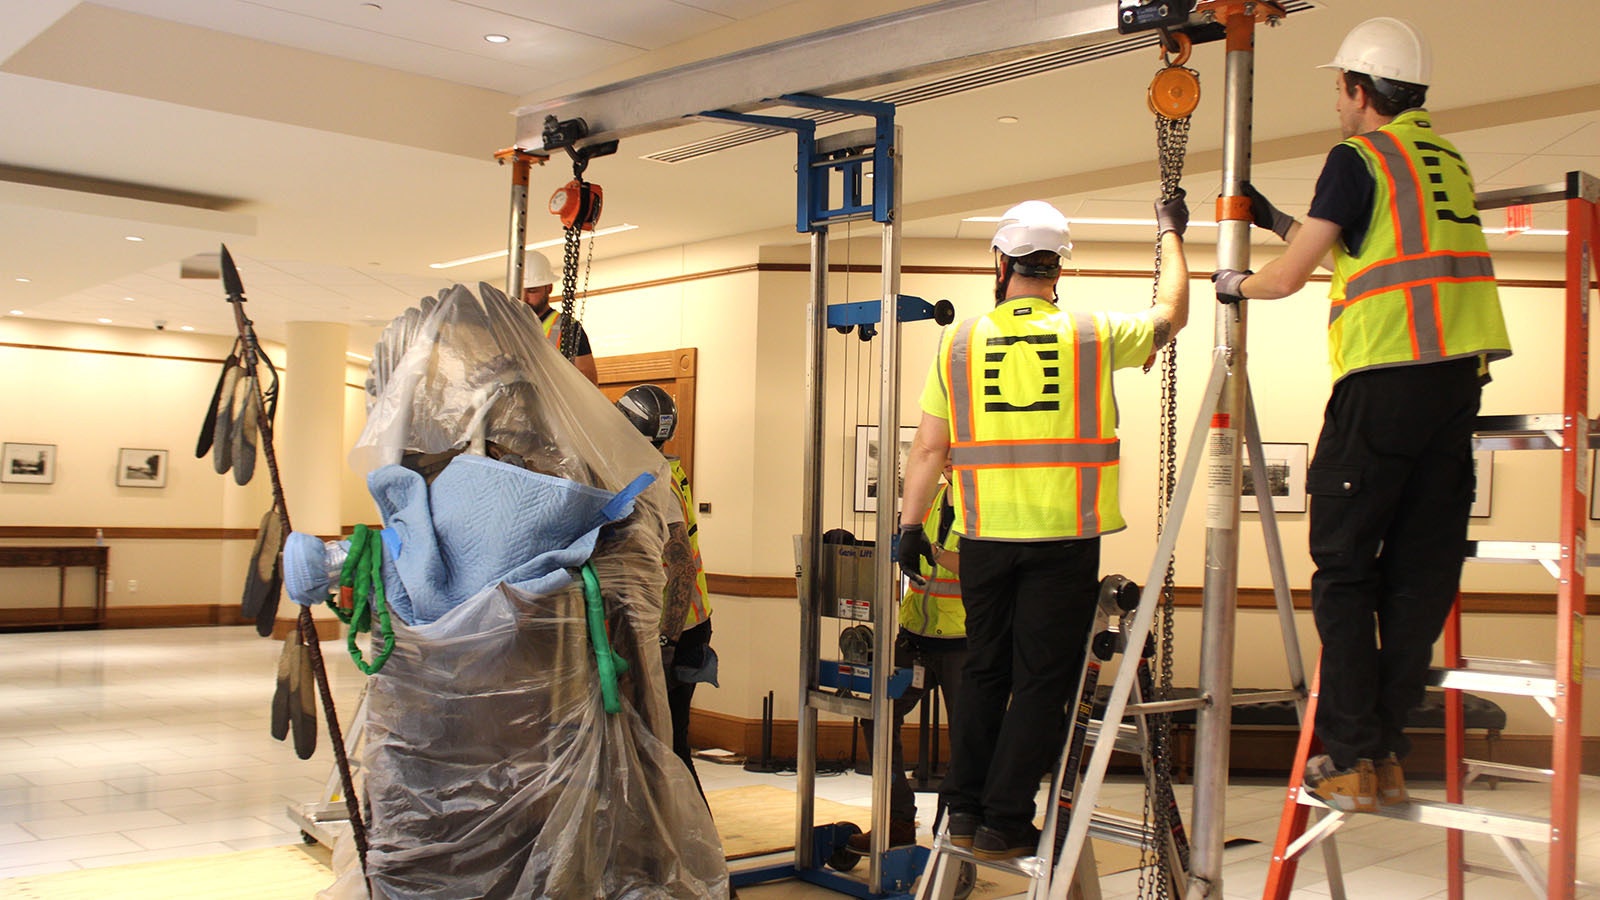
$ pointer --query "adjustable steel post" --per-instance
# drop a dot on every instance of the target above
(517, 237)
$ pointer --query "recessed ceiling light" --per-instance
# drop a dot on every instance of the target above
(103, 320)
(129, 300)
(185, 327)
(133, 237)
(496, 38)
(24, 280)
(1008, 120)
(16, 312)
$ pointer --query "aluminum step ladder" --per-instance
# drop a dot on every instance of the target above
(1556, 685)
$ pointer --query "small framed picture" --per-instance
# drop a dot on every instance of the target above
(141, 468)
(867, 464)
(1483, 470)
(1286, 479)
(28, 463)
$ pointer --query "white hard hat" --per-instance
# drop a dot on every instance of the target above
(1385, 47)
(1030, 226)
(536, 271)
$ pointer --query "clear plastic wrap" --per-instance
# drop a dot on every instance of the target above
(492, 768)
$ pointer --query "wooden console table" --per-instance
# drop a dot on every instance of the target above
(60, 558)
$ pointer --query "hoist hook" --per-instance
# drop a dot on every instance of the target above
(1175, 91)
(1175, 43)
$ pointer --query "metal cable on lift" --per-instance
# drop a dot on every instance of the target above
(1173, 95)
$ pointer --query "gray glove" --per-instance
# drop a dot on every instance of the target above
(1172, 215)
(1229, 284)
(1265, 214)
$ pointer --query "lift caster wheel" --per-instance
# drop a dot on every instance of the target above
(944, 312)
(966, 880)
(844, 859)
(307, 839)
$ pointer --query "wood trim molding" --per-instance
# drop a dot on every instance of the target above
(751, 585)
(89, 533)
(197, 359)
(169, 616)
(1253, 749)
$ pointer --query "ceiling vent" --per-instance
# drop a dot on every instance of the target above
(942, 87)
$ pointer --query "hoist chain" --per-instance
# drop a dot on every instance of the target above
(569, 291)
(1155, 875)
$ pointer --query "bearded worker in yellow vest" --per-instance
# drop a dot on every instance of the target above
(559, 328)
(1413, 324)
(1021, 401)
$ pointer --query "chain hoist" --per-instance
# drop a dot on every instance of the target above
(577, 203)
(1173, 95)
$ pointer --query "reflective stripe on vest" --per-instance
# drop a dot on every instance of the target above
(551, 332)
(700, 602)
(997, 450)
(1422, 288)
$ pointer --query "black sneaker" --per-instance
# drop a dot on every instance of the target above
(992, 843)
(962, 827)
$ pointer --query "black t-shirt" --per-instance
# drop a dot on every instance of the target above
(1344, 195)
(583, 336)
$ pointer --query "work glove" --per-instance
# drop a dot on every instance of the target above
(1172, 215)
(1228, 283)
(912, 549)
(1265, 214)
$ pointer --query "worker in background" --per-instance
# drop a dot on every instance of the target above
(686, 652)
(1414, 322)
(932, 643)
(536, 292)
(1021, 401)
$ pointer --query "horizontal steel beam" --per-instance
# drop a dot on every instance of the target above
(928, 41)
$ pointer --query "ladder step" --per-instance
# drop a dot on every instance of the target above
(1547, 552)
(1524, 773)
(1103, 826)
(1450, 815)
(1535, 432)
(1467, 679)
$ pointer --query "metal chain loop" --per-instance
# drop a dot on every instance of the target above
(569, 291)
(1155, 874)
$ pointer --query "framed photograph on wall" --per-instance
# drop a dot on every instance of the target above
(1483, 469)
(28, 463)
(1286, 479)
(141, 468)
(867, 464)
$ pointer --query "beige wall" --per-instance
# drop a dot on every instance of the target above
(749, 329)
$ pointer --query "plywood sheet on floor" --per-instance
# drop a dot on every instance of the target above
(275, 873)
(759, 818)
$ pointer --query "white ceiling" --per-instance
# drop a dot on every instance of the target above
(339, 149)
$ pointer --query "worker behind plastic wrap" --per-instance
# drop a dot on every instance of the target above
(559, 327)
(686, 652)
(1413, 322)
(1031, 435)
(932, 643)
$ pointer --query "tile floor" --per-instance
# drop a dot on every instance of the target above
(127, 746)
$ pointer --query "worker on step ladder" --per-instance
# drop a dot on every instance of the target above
(1414, 322)
(1021, 401)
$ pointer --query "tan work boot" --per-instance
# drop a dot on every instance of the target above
(1346, 790)
(1391, 782)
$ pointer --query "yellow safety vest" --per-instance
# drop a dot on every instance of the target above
(1033, 420)
(700, 603)
(937, 610)
(1422, 287)
(551, 332)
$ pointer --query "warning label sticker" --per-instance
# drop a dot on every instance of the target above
(1222, 452)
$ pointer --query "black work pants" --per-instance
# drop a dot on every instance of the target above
(690, 651)
(941, 661)
(1029, 609)
(1391, 488)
